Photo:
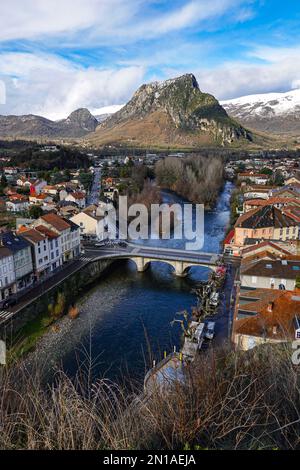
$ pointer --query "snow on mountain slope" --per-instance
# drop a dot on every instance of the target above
(274, 112)
(102, 113)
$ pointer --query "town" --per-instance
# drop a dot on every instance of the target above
(265, 237)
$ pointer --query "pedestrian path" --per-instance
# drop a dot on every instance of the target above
(4, 315)
(85, 258)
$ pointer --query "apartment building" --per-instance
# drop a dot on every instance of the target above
(7, 273)
(22, 258)
(68, 231)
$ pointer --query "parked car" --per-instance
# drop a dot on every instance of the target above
(214, 299)
(210, 330)
(10, 302)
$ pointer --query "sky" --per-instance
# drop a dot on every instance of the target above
(59, 55)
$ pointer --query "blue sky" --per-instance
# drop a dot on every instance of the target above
(58, 55)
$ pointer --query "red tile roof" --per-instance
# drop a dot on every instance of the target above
(276, 311)
(57, 222)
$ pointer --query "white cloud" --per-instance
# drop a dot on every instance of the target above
(2, 92)
(277, 70)
(29, 19)
(106, 21)
(53, 87)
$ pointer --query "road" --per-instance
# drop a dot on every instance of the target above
(94, 195)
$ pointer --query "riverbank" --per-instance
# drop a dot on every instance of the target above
(28, 325)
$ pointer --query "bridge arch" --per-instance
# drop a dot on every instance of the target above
(181, 268)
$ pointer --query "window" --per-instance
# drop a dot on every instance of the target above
(254, 279)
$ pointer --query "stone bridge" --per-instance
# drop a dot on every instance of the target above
(180, 260)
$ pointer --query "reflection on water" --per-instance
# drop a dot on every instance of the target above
(127, 314)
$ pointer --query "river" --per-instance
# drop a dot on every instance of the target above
(125, 318)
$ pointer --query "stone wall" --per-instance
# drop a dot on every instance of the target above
(71, 287)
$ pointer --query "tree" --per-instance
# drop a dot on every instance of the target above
(35, 212)
(3, 182)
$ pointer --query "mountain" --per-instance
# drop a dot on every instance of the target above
(170, 113)
(103, 113)
(78, 124)
(270, 112)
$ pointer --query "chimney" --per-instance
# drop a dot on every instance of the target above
(270, 307)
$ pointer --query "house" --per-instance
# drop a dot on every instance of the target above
(257, 192)
(39, 199)
(50, 189)
(270, 274)
(40, 251)
(54, 246)
(292, 190)
(7, 273)
(266, 316)
(68, 232)
(77, 198)
(253, 177)
(267, 222)
(91, 224)
(67, 209)
(37, 186)
(266, 249)
(22, 258)
(292, 180)
(110, 193)
(10, 171)
(17, 203)
(23, 182)
(278, 202)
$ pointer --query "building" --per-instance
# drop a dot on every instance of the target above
(40, 251)
(37, 186)
(17, 203)
(10, 171)
(257, 192)
(22, 258)
(77, 198)
(39, 199)
(255, 178)
(7, 273)
(292, 180)
(90, 223)
(266, 316)
(270, 274)
(68, 232)
(278, 202)
(54, 246)
(267, 222)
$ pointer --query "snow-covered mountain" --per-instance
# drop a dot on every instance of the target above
(102, 113)
(272, 112)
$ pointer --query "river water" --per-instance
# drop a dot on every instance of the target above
(125, 318)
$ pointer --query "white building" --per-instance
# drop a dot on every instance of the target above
(16, 204)
(7, 273)
(54, 245)
(90, 223)
(78, 198)
(22, 258)
(40, 251)
(69, 234)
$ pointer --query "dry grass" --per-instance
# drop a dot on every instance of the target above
(229, 400)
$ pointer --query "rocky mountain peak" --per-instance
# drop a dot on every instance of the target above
(181, 105)
(83, 119)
